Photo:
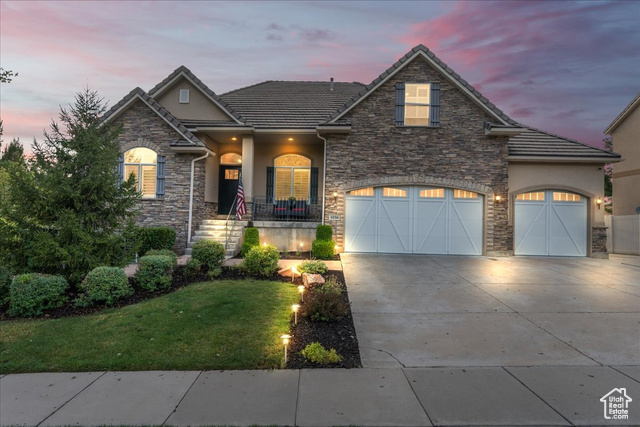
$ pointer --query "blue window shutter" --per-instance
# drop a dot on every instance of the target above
(160, 170)
(120, 168)
(434, 111)
(313, 191)
(270, 180)
(399, 104)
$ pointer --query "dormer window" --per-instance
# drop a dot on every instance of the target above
(418, 104)
(184, 96)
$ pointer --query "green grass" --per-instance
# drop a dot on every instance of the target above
(230, 324)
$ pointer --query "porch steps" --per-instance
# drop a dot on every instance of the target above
(215, 229)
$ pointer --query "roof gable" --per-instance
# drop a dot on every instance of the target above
(183, 72)
(423, 52)
(623, 115)
(139, 95)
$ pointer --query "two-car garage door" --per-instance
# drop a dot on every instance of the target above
(422, 220)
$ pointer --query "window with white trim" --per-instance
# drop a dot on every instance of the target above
(184, 96)
(292, 176)
(565, 197)
(417, 102)
(432, 193)
(535, 196)
(142, 164)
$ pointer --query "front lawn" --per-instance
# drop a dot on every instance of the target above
(228, 324)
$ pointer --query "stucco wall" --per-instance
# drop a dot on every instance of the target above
(377, 152)
(199, 107)
(626, 174)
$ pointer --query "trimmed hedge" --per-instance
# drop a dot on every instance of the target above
(104, 285)
(251, 239)
(312, 267)
(165, 252)
(324, 232)
(32, 293)
(323, 249)
(156, 238)
(261, 261)
(155, 272)
(209, 254)
(5, 285)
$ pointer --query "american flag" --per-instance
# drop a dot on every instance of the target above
(241, 207)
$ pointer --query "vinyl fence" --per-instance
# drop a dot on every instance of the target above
(623, 234)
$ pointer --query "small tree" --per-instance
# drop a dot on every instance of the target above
(68, 211)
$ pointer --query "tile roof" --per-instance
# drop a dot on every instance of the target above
(537, 143)
(189, 138)
(286, 104)
(623, 114)
(200, 85)
(191, 124)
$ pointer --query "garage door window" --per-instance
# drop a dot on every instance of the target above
(565, 197)
(363, 192)
(394, 192)
(464, 194)
(531, 197)
(432, 193)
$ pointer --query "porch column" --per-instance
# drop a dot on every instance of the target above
(247, 167)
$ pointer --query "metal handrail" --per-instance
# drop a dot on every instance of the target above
(226, 224)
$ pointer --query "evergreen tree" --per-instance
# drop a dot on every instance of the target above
(14, 152)
(69, 210)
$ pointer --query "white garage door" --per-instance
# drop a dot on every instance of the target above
(421, 220)
(552, 223)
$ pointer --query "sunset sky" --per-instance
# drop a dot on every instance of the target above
(565, 67)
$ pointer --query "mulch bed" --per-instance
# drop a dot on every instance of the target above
(340, 335)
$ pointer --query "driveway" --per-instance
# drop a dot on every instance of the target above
(433, 311)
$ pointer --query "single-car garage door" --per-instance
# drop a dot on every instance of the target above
(550, 222)
(422, 220)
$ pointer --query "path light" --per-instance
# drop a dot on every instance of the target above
(285, 340)
(301, 290)
(264, 244)
(294, 271)
(295, 308)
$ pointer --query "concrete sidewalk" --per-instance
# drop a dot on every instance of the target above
(550, 396)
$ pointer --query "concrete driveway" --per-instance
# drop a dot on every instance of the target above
(432, 311)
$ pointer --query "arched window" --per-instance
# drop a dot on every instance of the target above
(142, 163)
(292, 176)
(231, 159)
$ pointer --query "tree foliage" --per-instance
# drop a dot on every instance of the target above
(66, 211)
(14, 152)
(608, 183)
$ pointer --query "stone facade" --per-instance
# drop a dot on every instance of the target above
(143, 128)
(457, 154)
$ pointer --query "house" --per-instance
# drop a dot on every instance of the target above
(625, 134)
(417, 161)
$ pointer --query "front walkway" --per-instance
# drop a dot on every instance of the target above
(550, 396)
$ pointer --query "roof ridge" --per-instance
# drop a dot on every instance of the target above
(288, 81)
(246, 87)
(570, 140)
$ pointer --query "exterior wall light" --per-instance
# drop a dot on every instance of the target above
(234, 138)
(290, 139)
(295, 308)
(285, 341)
(301, 290)
(599, 202)
(335, 194)
(498, 199)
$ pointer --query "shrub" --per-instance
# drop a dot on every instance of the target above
(326, 304)
(32, 293)
(210, 254)
(324, 232)
(261, 261)
(323, 249)
(251, 239)
(156, 238)
(316, 353)
(192, 268)
(165, 252)
(154, 272)
(5, 285)
(312, 267)
(105, 285)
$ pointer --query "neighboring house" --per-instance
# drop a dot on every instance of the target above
(625, 134)
(418, 161)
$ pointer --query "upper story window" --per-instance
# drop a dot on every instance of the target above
(142, 163)
(418, 104)
(184, 96)
(292, 176)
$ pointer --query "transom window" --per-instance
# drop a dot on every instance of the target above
(363, 192)
(142, 164)
(393, 192)
(464, 194)
(531, 197)
(231, 159)
(435, 193)
(292, 176)
(417, 101)
(565, 197)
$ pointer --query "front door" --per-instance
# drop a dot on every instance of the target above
(229, 176)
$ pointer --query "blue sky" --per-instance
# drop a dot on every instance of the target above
(565, 67)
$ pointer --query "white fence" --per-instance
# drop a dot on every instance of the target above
(623, 234)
